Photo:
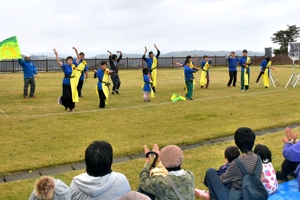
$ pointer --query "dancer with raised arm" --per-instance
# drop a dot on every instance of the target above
(152, 65)
(113, 62)
(76, 62)
(66, 98)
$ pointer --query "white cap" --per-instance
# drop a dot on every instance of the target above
(27, 55)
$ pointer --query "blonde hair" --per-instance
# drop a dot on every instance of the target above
(44, 188)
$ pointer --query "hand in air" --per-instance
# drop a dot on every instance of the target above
(55, 52)
(146, 150)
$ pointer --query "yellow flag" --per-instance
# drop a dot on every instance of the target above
(9, 49)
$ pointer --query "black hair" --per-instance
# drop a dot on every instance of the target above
(268, 59)
(244, 139)
(114, 56)
(205, 56)
(69, 57)
(231, 153)
(98, 158)
(81, 53)
(145, 70)
(232, 52)
(103, 63)
(264, 152)
(186, 62)
(150, 52)
(245, 51)
(188, 57)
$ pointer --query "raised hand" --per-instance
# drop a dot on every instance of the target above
(55, 52)
(75, 49)
(120, 52)
(155, 46)
(146, 150)
(156, 150)
(290, 134)
(108, 52)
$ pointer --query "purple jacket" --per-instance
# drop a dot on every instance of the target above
(292, 153)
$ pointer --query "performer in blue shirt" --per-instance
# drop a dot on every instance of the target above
(76, 62)
(245, 63)
(263, 66)
(232, 67)
(29, 71)
(152, 65)
(189, 78)
(66, 98)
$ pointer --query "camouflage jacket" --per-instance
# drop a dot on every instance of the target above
(162, 189)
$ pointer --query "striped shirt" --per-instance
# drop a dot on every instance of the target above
(235, 175)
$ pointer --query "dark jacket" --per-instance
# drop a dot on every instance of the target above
(114, 64)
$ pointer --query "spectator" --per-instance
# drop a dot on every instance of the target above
(99, 182)
(159, 186)
(269, 176)
(231, 153)
(132, 195)
(291, 153)
(232, 67)
(47, 188)
(244, 140)
(29, 71)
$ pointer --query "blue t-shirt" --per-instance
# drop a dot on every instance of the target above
(29, 68)
(188, 73)
(232, 64)
(204, 63)
(85, 69)
(149, 62)
(100, 74)
(242, 61)
(67, 71)
(146, 87)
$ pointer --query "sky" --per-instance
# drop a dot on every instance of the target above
(95, 26)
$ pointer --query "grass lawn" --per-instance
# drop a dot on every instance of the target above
(39, 133)
(197, 160)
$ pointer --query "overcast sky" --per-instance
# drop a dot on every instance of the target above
(94, 26)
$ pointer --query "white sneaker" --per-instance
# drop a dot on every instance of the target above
(59, 100)
(242, 90)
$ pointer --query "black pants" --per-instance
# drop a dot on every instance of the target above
(232, 77)
(102, 99)
(79, 87)
(116, 81)
(27, 82)
(259, 75)
(288, 167)
(66, 98)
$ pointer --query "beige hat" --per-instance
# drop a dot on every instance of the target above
(27, 55)
(132, 195)
(171, 156)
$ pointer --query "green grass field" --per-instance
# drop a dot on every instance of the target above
(39, 133)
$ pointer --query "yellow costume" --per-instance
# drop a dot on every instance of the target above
(105, 86)
(266, 75)
(154, 71)
(76, 73)
(246, 72)
(204, 73)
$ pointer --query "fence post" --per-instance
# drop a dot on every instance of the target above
(127, 62)
(46, 65)
(215, 60)
(172, 61)
(13, 66)
(95, 64)
(255, 63)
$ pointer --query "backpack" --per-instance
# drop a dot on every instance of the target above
(252, 187)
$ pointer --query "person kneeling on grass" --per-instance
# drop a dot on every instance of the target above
(30, 72)
(162, 183)
(291, 153)
(48, 188)
(99, 182)
(103, 85)
(189, 79)
(231, 153)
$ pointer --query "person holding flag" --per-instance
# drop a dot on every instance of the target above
(152, 65)
(245, 63)
(30, 72)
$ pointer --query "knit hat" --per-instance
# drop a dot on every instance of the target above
(171, 156)
(49, 188)
(132, 195)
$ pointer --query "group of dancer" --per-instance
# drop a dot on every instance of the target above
(75, 71)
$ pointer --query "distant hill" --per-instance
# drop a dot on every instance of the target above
(199, 53)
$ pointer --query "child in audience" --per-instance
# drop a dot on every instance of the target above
(49, 188)
(269, 176)
(231, 153)
(205, 72)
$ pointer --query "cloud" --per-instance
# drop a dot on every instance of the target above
(174, 25)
